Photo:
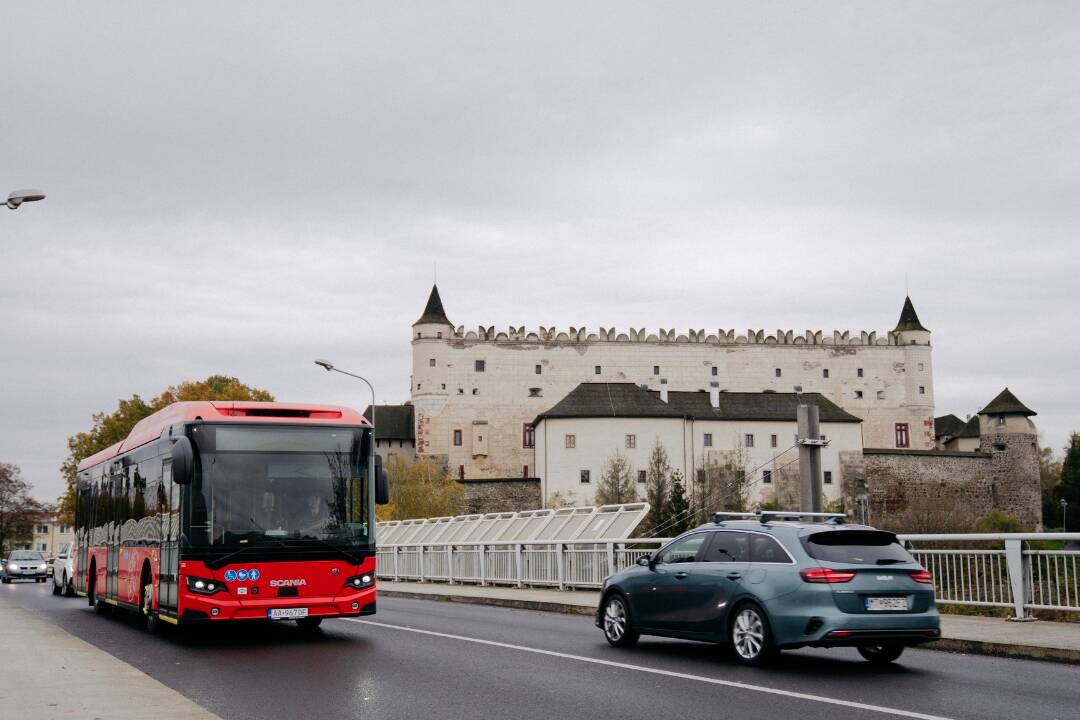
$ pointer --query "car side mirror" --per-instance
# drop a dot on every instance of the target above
(645, 561)
(382, 483)
(183, 461)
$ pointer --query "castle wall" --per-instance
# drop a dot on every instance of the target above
(450, 393)
(900, 482)
(486, 496)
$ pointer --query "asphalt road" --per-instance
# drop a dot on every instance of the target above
(420, 659)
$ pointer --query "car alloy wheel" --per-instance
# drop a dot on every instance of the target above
(617, 623)
(750, 635)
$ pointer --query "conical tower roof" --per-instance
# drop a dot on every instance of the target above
(1007, 404)
(433, 311)
(909, 320)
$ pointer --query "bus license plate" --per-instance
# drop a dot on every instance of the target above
(886, 603)
(287, 613)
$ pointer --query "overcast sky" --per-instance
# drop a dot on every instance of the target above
(242, 187)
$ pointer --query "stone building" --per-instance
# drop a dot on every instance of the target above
(476, 392)
(752, 434)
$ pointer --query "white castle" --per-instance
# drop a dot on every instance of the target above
(476, 393)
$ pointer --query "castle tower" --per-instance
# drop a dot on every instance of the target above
(430, 335)
(918, 375)
(1008, 435)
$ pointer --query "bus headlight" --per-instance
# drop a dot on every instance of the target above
(201, 586)
(359, 582)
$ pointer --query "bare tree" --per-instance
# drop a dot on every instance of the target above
(17, 509)
(721, 483)
(616, 484)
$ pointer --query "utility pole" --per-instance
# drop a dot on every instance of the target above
(810, 444)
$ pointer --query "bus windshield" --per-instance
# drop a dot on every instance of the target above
(275, 485)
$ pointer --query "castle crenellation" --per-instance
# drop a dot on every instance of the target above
(574, 335)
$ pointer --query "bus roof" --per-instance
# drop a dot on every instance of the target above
(150, 428)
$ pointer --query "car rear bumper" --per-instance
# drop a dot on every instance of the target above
(854, 638)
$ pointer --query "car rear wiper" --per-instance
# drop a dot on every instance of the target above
(890, 561)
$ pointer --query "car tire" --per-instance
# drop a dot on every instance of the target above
(749, 635)
(616, 622)
(309, 624)
(880, 654)
(55, 588)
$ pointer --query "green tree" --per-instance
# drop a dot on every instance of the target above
(421, 489)
(1050, 482)
(679, 505)
(17, 509)
(110, 428)
(1069, 490)
(616, 484)
(658, 489)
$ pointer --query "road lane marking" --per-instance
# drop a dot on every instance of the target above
(668, 673)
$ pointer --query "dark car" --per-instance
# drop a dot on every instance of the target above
(766, 584)
(24, 565)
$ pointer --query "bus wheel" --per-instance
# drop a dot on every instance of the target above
(149, 615)
(309, 624)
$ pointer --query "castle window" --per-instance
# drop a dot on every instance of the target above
(457, 438)
(859, 372)
(476, 391)
(417, 386)
(479, 366)
(715, 370)
(431, 362)
(443, 386)
(534, 392)
(461, 472)
(858, 394)
(828, 477)
(438, 335)
(418, 335)
(825, 373)
(571, 441)
(461, 391)
(922, 389)
(655, 369)
(538, 369)
(524, 471)
(778, 373)
(528, 436)
(584, 476)
(631, 441)
(1001, 420)
(596, 370)
(707, 440)
(1000, 447)
(766, 476)
(642, 476)
(772, 441)
(880, 394)
(902, 439)
(749, 441)
(920, 367)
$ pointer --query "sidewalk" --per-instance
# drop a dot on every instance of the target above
(1039, 640)
(48, 674)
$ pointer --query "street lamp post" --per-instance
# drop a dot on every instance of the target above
(18, 197)
(1064, 508)
(328, 366)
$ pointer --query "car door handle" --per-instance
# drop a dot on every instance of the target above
(680, 575)
(734, 575)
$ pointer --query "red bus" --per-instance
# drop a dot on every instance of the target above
(213, 511)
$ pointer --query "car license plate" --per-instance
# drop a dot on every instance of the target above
(286, 613)
(886, 603)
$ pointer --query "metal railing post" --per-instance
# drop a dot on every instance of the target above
(1014, 560)
(397, 574)
(610, 559)
(483, 566)
(422, 564)
(560, 565)
(450, 564)
(519, 562)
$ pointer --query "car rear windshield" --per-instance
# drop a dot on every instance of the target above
(856, 547)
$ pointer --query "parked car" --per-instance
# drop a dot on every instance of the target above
(765, 583)
(24, 565)
(63, 572)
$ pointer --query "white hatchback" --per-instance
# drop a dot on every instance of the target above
(63, 569)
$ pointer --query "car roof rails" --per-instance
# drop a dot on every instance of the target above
(831, 518)
(718, 517)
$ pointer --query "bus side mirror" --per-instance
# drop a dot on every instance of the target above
(382, 483)
(183, 461)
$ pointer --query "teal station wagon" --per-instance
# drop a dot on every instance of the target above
(770, 581)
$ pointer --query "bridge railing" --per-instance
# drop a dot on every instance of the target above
(979, 569)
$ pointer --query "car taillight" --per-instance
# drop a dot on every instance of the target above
(922, 576)
(826, 575)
